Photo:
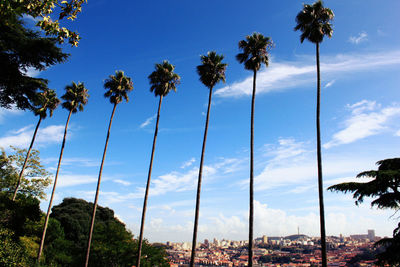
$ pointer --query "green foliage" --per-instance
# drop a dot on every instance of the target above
(314, 22)
(112, 244)
(211, 70)
(163, 79)
(384, 186)
(41, 11)
(35, 178)
(22, 49)
(12, 253)
(76, 97)
(45, 101)
(14, 214)
(385, 189)
(118, 87)
(255, 51)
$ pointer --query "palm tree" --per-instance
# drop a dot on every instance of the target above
(211, 72)
(76, 97)
(314, 23)
(255, 53)
(117, 88)
(43, 102)
(162, 80)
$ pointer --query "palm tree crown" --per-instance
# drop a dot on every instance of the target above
(76, 97)
(118, 87)
(255, 51)
(46, 100)
(313, 22)
(212, 70)
(163, 79)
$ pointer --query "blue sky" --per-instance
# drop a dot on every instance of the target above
(360, 116)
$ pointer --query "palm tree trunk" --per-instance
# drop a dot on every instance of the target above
(251, 215)
(98, 188)
(196, 217)
(319, 161)
(54, 189)
(26, 159)
(148, 186)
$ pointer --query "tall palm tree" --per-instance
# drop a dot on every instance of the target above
(117, 88)
(43, 102)
(211, 71)
(314, 23)
(162, 80)
(75, 98)
(255, 53)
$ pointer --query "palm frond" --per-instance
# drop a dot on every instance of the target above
(117, 87)
(254, 51)
(212, 70)
(163, 79)
(314, 22)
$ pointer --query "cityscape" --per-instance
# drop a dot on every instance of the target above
(293, 250)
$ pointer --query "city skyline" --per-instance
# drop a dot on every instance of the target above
(360, 117)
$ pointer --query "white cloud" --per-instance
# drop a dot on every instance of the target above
(397, 133)
(188, 163)
(361, 37)
(329, 84)
(123, 182)
(67, 180)
(282, 75)
(367, 119)
(22, 137)
(148, 121)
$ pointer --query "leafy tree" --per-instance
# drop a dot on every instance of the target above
(33, 182)
(15, 214)
(254, 54)
(112, 244)
(41, 11)
(314, 23)
(211, 72)
(75, 98)
(162, 80)
(384, 188)
(46, 101)
(12, 254)
(117, 88)
(24, 48)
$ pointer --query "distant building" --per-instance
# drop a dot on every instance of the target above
(265, 239)
(371, 235)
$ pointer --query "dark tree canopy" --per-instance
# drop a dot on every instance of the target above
(211, 70)
(112, 244)
(48, 15)
(163, 79)
(384, 188)
(117, 87)
(255, 51)
(75, 97)
(314, 22)
(21, 50)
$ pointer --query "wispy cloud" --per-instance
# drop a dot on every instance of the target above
(67, 180)
(123, 182)
(283, 75)
(367, 118)
(188, 163)
(22, 137)
(329, 84)
(361, 37)
(148, 121)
